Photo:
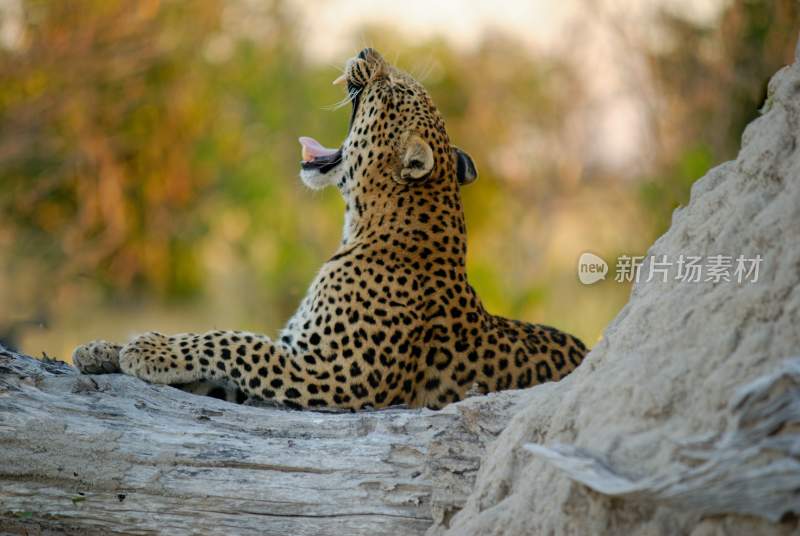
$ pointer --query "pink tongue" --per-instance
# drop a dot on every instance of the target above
(313, 149)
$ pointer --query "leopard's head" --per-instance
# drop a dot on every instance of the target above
(396, 141)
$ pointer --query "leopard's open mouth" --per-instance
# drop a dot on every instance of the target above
(318, 157)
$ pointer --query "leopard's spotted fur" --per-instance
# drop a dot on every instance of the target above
(391, 318)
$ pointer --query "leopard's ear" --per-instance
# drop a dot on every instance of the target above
(465, 167)
(416, 159)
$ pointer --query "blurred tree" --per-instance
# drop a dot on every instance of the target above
(128, 130)
(101, 106)
(711, 81)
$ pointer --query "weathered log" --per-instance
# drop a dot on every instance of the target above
(112, 454)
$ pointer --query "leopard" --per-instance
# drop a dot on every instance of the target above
(390, 319)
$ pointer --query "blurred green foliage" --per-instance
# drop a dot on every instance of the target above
(671, 189)
(712, 81)
(148, 154)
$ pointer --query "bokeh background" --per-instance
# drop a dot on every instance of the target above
(148, 153)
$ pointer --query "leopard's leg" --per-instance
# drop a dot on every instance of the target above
(258, 366)
(102, 357)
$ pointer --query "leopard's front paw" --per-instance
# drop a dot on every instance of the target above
(97, 357)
